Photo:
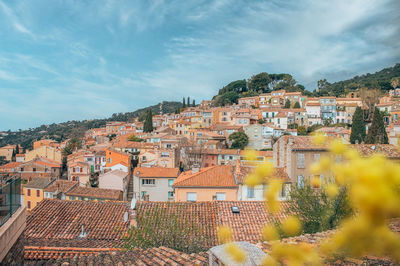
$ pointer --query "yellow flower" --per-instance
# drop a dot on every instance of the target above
(332, 190)
(316, 182)
(316, 168)
(250, 155)
(325, 163)
(337, 147)
(270, 233)
(235, 252)
(224, 234)
(269, 261)
(264, 170)
(252, 180)
(319, 138)
(291, 226)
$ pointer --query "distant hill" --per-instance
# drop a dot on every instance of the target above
(71, 129)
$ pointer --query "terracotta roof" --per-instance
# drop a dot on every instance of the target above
(247, 224)
(58, 223)
(61, 185)
(39, 182)
(388, 150)
(156, 172)
(97, 193)
(306, 143)
(20, 155)
(10, 165)
(214, 176)
(111, 256)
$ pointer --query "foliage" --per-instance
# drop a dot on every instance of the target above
(377, 132)
(13, 155)
(316, 211)
(161, 227)
(301, 131)
(148, 123)
(395, 82)
(227, 98)
(261, 121)
(64, 166)
(111, 136)
(240, 140)
(238, 86)
(94, 179)
(72, 145)
(260, 82)
(188, 101)
(312, 128)
(358, 127)
(183, 103)
(296, 105)
(135, 138)
(194, 103)
(287, 104)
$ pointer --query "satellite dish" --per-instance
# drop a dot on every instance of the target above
(133, 203)
(126, 217)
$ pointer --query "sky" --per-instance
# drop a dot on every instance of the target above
(76, 60)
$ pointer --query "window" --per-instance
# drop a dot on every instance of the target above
(168, 146)
(170, 182)
(28, 203)
(316, 157)
(191, 196)
(28, 191)
(170, 194)
(37, 193)
(34, 169)
(300, 160)
(300, 181)
(148, 181)
(165, 154)
(22, 169)
(220, 195)
(250, 192)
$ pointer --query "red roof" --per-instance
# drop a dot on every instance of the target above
(214, 176)
(156, 172)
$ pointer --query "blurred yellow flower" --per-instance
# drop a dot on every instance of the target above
(270, 233)
(235, 252)
(224, 234)
(332, 190)
(291, 226)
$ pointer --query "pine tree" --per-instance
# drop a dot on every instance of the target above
(287, 104)
(296, 105)
(17, 149)
(358, 127)
(183, 103)
(188, 101)
(13, 156)
(377, 132)
(148, 123)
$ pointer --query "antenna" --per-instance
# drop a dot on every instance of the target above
(133, 203)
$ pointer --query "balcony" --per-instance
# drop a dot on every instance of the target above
(10, 199)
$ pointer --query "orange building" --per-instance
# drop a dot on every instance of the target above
(114, 157)
(45, 142)
(207, 184)
(33, 191)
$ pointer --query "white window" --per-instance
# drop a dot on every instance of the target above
(148, 181)
(170, 182)
(316, 157)
(300, 160)
(220, 195)
(300, 181)
(191, 196)
(250, 192)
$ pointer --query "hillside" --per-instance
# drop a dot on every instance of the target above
(70, 129)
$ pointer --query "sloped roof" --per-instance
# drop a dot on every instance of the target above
(388, 150)
(97, 193)
(214, 176)
(39, 182)
(156, 172)
(61, 185)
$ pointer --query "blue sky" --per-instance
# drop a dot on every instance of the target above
(75, 60)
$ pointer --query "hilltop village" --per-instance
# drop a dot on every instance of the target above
(81, 195)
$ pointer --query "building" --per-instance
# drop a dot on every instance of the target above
(206, 184)
(58, 189)
(115, 179)
(328, 108)
(45, 142)
(34, 191)
(154, 183)
(79, 171)
(47, 152)
(39, 167)
(117, 158)
(7, 151)
(93, 194)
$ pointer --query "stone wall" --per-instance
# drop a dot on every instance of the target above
(16, 254)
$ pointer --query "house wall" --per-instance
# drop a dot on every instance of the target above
(44, 152)
(205, 194)
(33, 198)
(111, 181)
(157, 192)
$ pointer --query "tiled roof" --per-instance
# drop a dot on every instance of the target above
(10, 165)
(306, 143)
(214, 176)
(61, 185)
(201, 214)
(58, 223)
(388, 150)
(247, 224)
(97, 193)
(156, 172)
(110, 256)
(20, 155)
(39, 182)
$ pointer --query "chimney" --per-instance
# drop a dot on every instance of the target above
(83, 232)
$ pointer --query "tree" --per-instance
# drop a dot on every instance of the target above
(301, 131)
(395, 82)
(94, 179)
(194, 103)
(358, 127)
(287, 104)
(64, 166)
(188, 101)
(17, 149)
(13, 156)
(324, 87)
(316, 211)
(369, 99)
(260, 82)
(296, 105)
(227, 98)
(240, 140)
(183, 103)
(148, 123)
(377, 132)
(134, 138)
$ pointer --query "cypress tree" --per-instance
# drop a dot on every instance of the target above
(148, 123)
(287, 104)
(17, 149)
(296, 105)
(377, 132)
(194, 103)
(188, 101)
(357, 127)
(13, 156)
(183, 103)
